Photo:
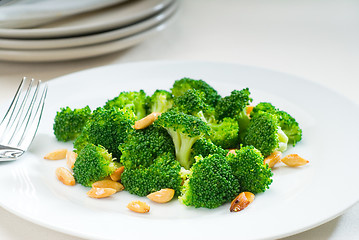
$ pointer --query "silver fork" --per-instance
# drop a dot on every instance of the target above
(21, 121)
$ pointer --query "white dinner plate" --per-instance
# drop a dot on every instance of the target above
(47, 55)
(55, 43)
(299, 198)
(109, 18)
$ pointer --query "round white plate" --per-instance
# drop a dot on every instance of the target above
(109, 18)
(40, 44)
(299, 198)
(82, 51)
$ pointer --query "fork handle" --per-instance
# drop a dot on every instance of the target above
(9, 153)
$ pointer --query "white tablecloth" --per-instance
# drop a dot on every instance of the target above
(314, 39)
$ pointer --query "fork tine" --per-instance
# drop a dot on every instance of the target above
(17, 112)
(33, 124)
(21, 125)
(6, 120)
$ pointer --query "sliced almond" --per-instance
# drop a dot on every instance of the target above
(65, 176)
(162, 196)
(241, 201)
(138, 206)
(116, 175)
(232, 151)
(56, 155)
(146, 121)
(108, 184)
(294, 160)
(249, 110)
(273, 159)
(96, 192)
(70, 159)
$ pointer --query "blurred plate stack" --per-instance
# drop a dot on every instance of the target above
(58, 30)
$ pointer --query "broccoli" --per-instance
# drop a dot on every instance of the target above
(210, 183)
(164, 172)
(205, 147)
(234, 105)
(287, 123)
(265, 134)
(225, 133)
(185, 130)
(136, 101)
(247, 165)
(108, 128)
(160, 101)
(68, 124)
(181, 86)
(92, 164)
(143, 146)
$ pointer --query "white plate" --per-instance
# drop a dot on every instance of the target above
(82, 51)
(54, 43)
(109, 18)
(299, 198)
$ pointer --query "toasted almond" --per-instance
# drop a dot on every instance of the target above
(116, 175)
(294, 160)
(70, 159)
(96, 192)
(108, 184)
(162, 196)
(146, 121)
(273, 159)
(138, 206)
(249, 110)
(65, 176)
(232, 151)
(241, 201)
(56, 155)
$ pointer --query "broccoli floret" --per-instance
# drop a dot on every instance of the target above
(234, 105)
(210, 183)
(68, 124)
(205, 147)
(225, 133)
(287, 123)
(143, 146)
(92, 164)
(265, 134)
(185, 130)
(108, 128)
(183, 85)
(163, 173)
(136, 101)
(160, 101)
(247, 165)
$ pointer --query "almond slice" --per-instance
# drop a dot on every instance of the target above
(241, 201)
(273, 159)
(56, 155)
(138, 206)
(162, 196)
(108, 184)
(294, 160)
(146, 121)
(100, 192)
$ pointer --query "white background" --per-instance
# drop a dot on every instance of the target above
(314, 39)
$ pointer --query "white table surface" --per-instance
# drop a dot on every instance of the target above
(314, 39)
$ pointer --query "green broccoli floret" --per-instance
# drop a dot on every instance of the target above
(225, 133)
(185, 130)
(164, 172)
(205, 147)
(265, 134)
(160, 101)
(287, 123)
(183, 85)
(92, 164)
(234, 105)
(136, 101)
(108, 128)
(247, 165)
(192, 102)
(210, 183)
(68, 124)
(143, 146)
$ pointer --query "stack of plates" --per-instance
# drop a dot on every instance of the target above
(88, 34)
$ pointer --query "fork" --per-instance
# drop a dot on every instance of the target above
(21, 121)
